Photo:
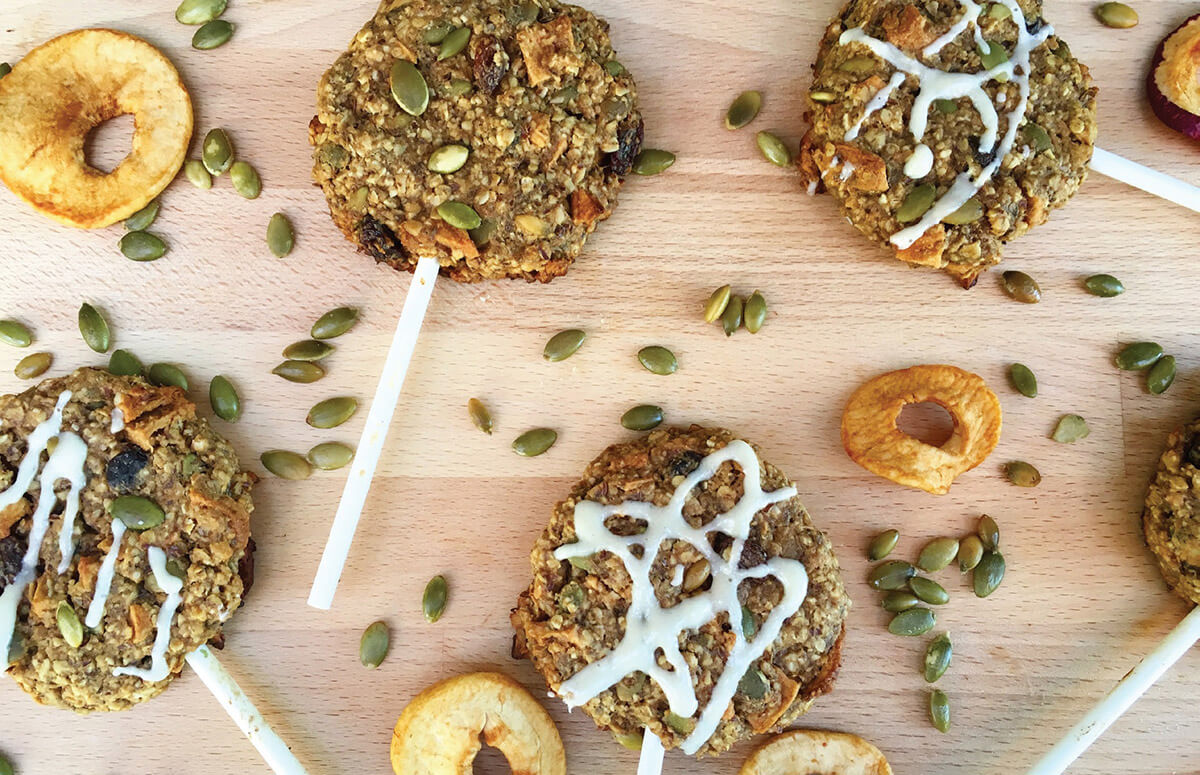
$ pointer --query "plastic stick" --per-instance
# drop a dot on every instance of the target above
(651, 760)
(1149, 180)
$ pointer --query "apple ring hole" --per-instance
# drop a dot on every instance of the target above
(928, 422)
(490, 761)
(109, 143)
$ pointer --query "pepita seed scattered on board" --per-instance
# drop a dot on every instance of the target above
(743, 109)
(939, 710)
(409, 89)
(1104, 285)
(281, 238)
(1021, 287)
(332, 412)
(773, 149)
(731, 318)
(303, 372)
(330, 456)
(94, 328)
(433, 602)
(534, 442)
(1022, 474)
(142, 246)
(141, 220)
(937, 657)
(199, 176)
(754, 313)
(652, 161)
(989, 533)
(217, 151)
(308, 350)
(334, 323)
(988, 573)
(285, 464)
(1161, 375)
(224, 399)
(136, 512)
(1138, 356)
(1070, 428)
(69, 625)
(33, 365)
(970, 552)
(891, 575)
(15, 334)
(1116, 15)
(480, 416)
(245, 180)
(899, 600)
(928, 591)
(167, 375)
(374, 645)
(716, 303)
(882, 545)
(913, 622)
(937, 554)
(658, 360)
(1023, 379)
(212, 35)
(199, 11)
(643, 417)
(563, 345)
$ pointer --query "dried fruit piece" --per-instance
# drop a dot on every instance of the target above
(817, 751)
(1172, 84)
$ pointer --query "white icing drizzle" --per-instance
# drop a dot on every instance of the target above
(920, 162)
(969, 18)
(847, 170)
(649, 627)
(877, 102)
(172, 585)
(118, 421)
(104, 578)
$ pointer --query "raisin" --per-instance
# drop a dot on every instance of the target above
(125, 470)
(1192, 452)
(753, 555)
(1034, 25)
(379, 242)
(491, 64)
(630, 133)
(12, 551)
(246, 568)
(984, 159)
(686, 463)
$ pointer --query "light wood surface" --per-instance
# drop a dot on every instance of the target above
(1082, 600)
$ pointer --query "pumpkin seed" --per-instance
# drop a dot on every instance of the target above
(755, 313)
(939, 710)
(1037, 137)
(994, 56)
(5, 69)
(937, 554)
(899, 600)
(480, 415)
(1138, 356)
(1070, 429)
(94, 328)
(753, 684)
(629, 740)
(534, 442)
(989, 533)
(191, 465)
(213, 34)
(409, 89)
(199, 11)
(731, 318)
(683, 726)
(643, 417)
(614, 68)
(332, 412)
(582, 563)
(1161, 375)
(280, 236)
(913, 622)
(563, 345)
(224, 399)
(749, 624)
(34, 365)
(988, 574)
(882, 545)
(652, 161)
(303, 372)
(358, 200)
(531, 225)
(136, 512)
(1021, 287)
(1022, 474)
(217, 151)
(717, 303)
(937, 657)
(1116, 15)
(330, 456)
(69, 624)
(773, 149)
(1062, 50)
(459, 87)
(198, 174)
(334, 323)
(970, 552)
(448, 159)
(971, 211)
(859, 65)
(141, 220)
(125, 364)
(1023, 379)
(15, 334)
(433, 602)
(658, 360)
(142, 246)
(822, 97)
(166, 374)
(891, 575)
(917, 203)
(696, 574)
(286, 465)
(308, 350)
(564, 95)
(928, 591)
(454, 42)
(946, 107)
(437, 32)
(245, 180)
(1104, 285)
(743, 110)
(374, 645)
(459, 215)
(999, 12)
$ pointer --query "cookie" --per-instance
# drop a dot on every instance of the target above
(1171, 519)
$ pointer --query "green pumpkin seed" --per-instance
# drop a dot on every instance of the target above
(891, 575)
(564, 95)
(166, 374)
(629, 740)
(753, 684)
(332, 412)
(15, 334)
(999, 12)
(454, 43)
(743, 110)
(642, 418)
(212, 35)
(683, 726)
(224, 399)
(1062, 50)
(334, 323)
(717, 303)
(142, 246)
(123, 363)
(374, 645)
(1023, 379)
(1022, 474)
(280, 236)
(459, 87)
(939, 710)
(1138, 356)
(437, 32)
(658, 360)
(989, 533)
(409, 89)
(460, 215)
(217, 151)
(69, 624)
(199, 11)
(1104, 285)
(303, 372)
(749, 624)
(486, 230)
(614, 68)
(731, 318)
(822, 97)
(988, 574)
(994, 56)
(141, 220)
(524, 13)
(34, 365)
(913, 622)
(652, 161)
(5, 69)
(970, 552)
(1070, 429)
(755, 313)
(928, 591)
(358, 200)
(882, 545)
(534, 442)
(286, 465)
(773, 149)
(198, 174)
(563, 345)
(946, 107)
(899, 600)
(1161, 375)
(917, 203)
(1037, 137)
(937, 657)
(937, 554)
(333, 155)
(433, 602)
(308, 350)
(971, 211)
(330, 456)
(136, 512)
(582, 563)
(245, 180)
(859, 65)
(191, 465)
(480, 415)
(94, 328)
(1116, 15)
(1021, 287)
(449, 158)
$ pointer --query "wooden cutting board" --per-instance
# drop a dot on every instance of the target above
(1082, 601)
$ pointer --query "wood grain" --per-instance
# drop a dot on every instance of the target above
(1082, 600)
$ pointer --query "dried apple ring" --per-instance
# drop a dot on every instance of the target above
(439, 732)
(872, 440)
(814, 750)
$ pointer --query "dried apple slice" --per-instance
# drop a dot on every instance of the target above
(1172, 84)
(814, 750)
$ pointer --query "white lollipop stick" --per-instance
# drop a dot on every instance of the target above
(333, 560)
(1123, 695)
(1149, 180)
(651, 760)
(239, 707)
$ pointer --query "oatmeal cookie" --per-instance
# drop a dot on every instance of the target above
(69, 449)
(728, 599)
(1171, 519)
(536, 98)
